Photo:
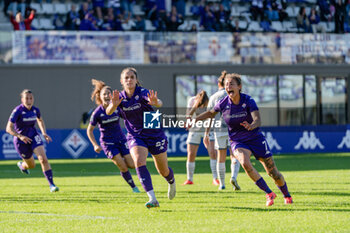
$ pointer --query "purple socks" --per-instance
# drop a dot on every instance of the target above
(145, 178)
(49, 177)
(170, 178)
(127, 177)
(284, 190)
(263, 186)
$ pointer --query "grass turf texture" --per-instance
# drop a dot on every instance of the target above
(93, 197)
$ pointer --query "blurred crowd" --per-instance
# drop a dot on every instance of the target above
(168, 15)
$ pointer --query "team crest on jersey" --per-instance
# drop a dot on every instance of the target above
(137, 97)
(227, 107)
(23, 112)
(102, 115)
(75, 144)
(244, 105)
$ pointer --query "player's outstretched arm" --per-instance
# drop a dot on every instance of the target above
(153, 99)
(115, 101)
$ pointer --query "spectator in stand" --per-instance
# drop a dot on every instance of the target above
(180, 6)
(194, 28)
(161, 15)
(339, 16)
(197, 9)
(84, 10)
(115, 5)
(58, 22)
(314, 20)
(72, 19)
(257, 9)
(118, 23)
(150, 9)
(237, 28)
(174, 20)
(128, 23)
(347, 17)
(89, 23)
(7, 3)
(109, 23)
(140, 24)
(272, 14)
(19, 23)
(324, 9)
(127, 6)
(207, 21)
(98, 5)
(302, 20)
(222, 19)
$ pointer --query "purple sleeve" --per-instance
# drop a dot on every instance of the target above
(252, 105)
(217, 107)
(14, 115)
(38, 114)
(144, 94)
(93, 119)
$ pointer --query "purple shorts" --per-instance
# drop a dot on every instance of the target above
(154, 145)
(111, 149)
(258, 146)
(26, 150)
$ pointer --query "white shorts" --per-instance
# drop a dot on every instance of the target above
(196, 137)
(221, 141)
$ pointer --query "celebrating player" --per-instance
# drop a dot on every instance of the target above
(112, 139)
(196, 105)
(26, 139)
(242, 116)
(134, 101)
(221, 139)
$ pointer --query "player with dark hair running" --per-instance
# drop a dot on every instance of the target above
(26, 139)
(242, 117)
(112, 139)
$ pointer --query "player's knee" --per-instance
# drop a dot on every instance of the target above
(31, 165)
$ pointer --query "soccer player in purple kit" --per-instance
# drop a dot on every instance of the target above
(112, 139)
(242, 117)
(133, 101)
(26, 139)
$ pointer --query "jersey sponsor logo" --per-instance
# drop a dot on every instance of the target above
(8, 148)
(151, 120)
(110, 120)
(29, 119)
(345, 141)
(75, 144)
(309, 141)
(132, 107)
(238, 115)
(271, 141)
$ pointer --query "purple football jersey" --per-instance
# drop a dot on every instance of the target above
(110, 130)
(24, 120)
(131, 110)
(233, 115)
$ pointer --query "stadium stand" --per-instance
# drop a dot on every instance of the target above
(259, 15)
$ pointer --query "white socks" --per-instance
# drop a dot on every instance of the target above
(213, 168)
(235, 165)
(151, 195)
(221, 173)
(190, 170)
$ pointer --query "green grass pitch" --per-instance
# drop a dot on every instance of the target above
(93, 197)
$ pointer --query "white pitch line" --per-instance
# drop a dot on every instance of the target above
(58, 215)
